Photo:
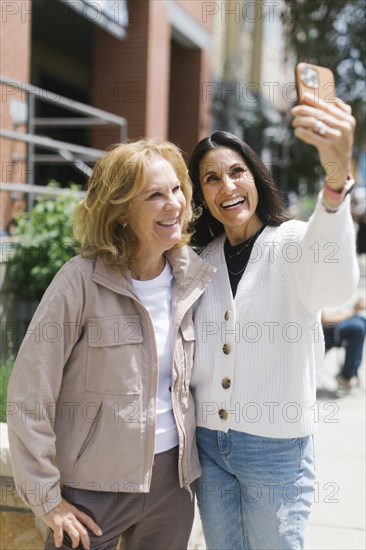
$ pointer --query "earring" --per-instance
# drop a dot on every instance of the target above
(124, 225)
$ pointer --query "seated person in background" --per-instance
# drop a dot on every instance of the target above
(347, 329)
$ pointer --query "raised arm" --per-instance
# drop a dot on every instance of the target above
(327, 273)
(328, 126)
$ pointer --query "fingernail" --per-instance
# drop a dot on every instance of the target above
(99, 532)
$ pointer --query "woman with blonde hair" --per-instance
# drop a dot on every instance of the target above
(102, 423)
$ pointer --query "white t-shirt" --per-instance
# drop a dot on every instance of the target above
(156, 296)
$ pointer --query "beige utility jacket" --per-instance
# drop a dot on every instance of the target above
(82, 394)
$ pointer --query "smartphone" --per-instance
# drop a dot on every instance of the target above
(316, 81)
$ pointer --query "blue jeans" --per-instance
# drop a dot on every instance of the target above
(255, 493)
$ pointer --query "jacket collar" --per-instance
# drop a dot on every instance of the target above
(189, 270)
(106, 276)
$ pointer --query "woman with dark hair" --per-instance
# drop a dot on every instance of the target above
(270, 208)
(258, 330)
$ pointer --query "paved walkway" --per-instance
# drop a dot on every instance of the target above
(337, 521)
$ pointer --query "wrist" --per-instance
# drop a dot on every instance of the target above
(333, 198)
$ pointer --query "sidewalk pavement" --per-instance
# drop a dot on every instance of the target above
(337, 520)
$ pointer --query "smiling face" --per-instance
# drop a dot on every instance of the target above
(230, 193)
(155, 216)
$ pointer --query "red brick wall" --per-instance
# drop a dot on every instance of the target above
(132, 78)
(15, 49)
(120, 75)
(190, 118)
(205, 124)
(157, 112)
(184, 96)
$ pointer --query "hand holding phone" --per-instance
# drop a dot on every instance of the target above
(321, 119)
(316, 81)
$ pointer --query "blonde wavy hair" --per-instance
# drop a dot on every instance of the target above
(118, 177)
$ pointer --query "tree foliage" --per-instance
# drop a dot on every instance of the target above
(331, 33)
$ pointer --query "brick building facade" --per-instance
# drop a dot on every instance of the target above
(152, 74)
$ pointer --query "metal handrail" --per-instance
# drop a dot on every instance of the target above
(40, 189)
(66, 151)
(66, 102)
(54, 144)
(34, 191)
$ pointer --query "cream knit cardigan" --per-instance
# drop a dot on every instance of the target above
(256, 355)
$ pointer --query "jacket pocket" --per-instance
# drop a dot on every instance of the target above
(114, 354)
(90, 434)
(112, 450)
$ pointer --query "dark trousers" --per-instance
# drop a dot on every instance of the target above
(159, 520)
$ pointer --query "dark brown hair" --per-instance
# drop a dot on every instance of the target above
(270, 209)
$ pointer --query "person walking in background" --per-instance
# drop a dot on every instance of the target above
(257, 328)
(101, 419)
(346, 328)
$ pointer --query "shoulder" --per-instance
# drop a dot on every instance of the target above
(184, 256)
(77, 272)
(188, 266)
(77, 264)
(291, 230)
(213, 249)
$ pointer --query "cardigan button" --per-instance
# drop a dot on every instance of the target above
(227, 315)
(226, 383)
(226, 348)
(224, 415)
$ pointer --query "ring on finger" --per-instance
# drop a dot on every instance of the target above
(320, 128)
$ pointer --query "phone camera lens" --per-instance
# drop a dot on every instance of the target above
(310, 77)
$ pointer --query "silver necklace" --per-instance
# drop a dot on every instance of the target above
(238, 272)
(248, 242)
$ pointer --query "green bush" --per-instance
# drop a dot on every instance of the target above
(45, 244)
(6, 365)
